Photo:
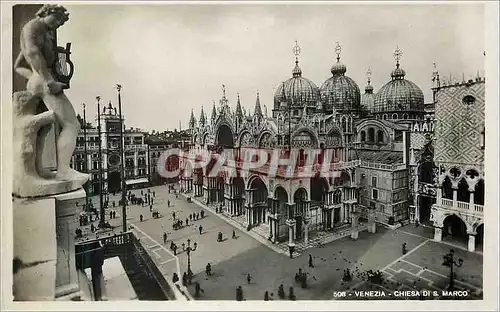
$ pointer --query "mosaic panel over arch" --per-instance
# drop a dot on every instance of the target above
(303, 139)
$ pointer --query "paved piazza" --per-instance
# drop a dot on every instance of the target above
(233, 259)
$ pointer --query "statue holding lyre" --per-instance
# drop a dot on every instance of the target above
(48, 70)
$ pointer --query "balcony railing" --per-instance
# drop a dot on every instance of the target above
(460, 205)
(382, 166)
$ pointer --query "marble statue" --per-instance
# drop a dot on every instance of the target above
(35, 63)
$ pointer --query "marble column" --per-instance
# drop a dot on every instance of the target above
(471, 200)
(290, 235)
(438, 233)
(306, 231)
(472, 242)
(455, 195)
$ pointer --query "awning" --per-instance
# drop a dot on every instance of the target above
(136, 181)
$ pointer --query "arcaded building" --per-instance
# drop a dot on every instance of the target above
(378, 142)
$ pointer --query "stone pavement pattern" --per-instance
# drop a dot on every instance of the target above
(232, 259)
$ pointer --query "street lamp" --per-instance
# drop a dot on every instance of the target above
(188, 252)
(449, 261)
(102, 222)
(122, 155)
(85, 163)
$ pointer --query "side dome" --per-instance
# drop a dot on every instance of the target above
(340, 92)
(368, 98)
(399, 97)
(297, 91)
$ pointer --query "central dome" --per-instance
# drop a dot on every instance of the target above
(297, 91)
(340, 92)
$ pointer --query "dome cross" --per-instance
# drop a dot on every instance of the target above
(369, 75)
(397, 55)
(338, 50)
(296, 49)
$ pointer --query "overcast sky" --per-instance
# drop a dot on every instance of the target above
(175, 57)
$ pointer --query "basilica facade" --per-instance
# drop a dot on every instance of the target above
(381, 146)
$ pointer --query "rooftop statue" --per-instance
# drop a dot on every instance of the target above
(38, 62)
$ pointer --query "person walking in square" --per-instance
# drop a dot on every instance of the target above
(311, 261)
(190, 216)
(234, 234)
(281, 292)
(197, 290)
(200, 228)
(208, 269)
(175, 278)
(164, 237)
(202, 213)
(249, 278)
(141, 217)
(403, 249)
(239, 294)
(168, 203)
(266, 296)
(187, 221)
(291, 295)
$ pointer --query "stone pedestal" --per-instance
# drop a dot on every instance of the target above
(44, 231)
(354, 226)
(67, 285)
(372, 225)
(438, 233)
(34, 226)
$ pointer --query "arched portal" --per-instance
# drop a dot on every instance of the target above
(300, 201)
(258, 201)
(114, 181)
(220, 189)
(281, 197)
(237, 196)
(320, 216)
(454, 229)
(225, 137)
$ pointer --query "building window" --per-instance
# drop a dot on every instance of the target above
(374, 181)
(372, 205)
(394, 116)
(371, 135)
(374, 194)
(363, 136)
(482, 139)
(469, 100)
(405, 116)
(380, 136)
(384, 117)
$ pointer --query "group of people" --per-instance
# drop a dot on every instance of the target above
(347, 276)
(301, 277)
(267, 296)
